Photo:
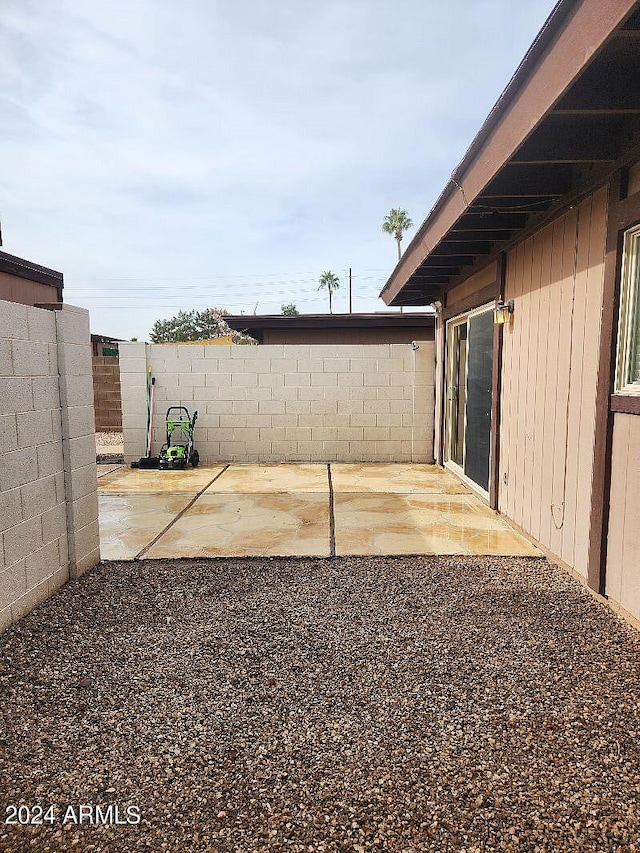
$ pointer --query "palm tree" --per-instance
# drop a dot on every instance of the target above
(331, 281)
(395, 223)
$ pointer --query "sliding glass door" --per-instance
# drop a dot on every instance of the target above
(468, 411)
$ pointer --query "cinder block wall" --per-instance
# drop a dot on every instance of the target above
(275, 403)
(106, 393)
(48, 488)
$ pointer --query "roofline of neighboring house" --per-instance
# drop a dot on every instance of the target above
(103, 339)
(22, 268)
(252, 322)
(573, 34)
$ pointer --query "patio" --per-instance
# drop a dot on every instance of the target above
(303, 510)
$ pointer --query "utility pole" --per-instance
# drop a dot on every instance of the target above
(350, 294)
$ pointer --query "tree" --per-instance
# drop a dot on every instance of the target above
(289, 310)
(396, 223)
(331, 281)
(195, 326)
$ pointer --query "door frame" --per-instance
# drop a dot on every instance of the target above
(447, 462)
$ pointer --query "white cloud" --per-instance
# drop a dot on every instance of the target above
(200, 147)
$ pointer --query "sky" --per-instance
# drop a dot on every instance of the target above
(216, 154)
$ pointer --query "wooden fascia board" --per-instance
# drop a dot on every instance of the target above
(22, 268)
(350, 322)
(579, 38)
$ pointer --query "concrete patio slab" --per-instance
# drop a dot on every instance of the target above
(236, 525)
(134, 480)
(272, 479)
(287, 510)
(423, 524)
(393, 478)
(128, 523)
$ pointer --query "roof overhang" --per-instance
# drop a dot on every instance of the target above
(32, 272)
(257, 322)
(562, 122)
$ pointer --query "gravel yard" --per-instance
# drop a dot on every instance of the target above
(109, 446)
(398, 704)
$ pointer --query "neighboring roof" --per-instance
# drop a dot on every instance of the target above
(27, 269)
(102, 339)
(256, 322)
(558, 124)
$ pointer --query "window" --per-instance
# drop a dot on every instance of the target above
(628, 367)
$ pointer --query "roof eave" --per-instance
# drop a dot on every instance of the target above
(572, 35)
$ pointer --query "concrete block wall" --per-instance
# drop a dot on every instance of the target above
(106, 393)
(306, 403)
(48, 487)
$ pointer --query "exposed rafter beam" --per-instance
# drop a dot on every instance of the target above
(475, 222)
(454, 248)
(434, 269)
(549, 181)
(610, 86)
(470, 236)
(564, 144)
(462, 260)
(504, 205)
(420, 280)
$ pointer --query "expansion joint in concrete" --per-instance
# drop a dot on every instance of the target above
(332, 517)
(185, 509)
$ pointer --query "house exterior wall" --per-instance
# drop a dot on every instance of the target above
(286, 403)
(623, 534)
(48, 488)
(13, 288)
(549, 374)
(475, 283)
(623, 543)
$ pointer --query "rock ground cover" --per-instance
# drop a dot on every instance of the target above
(109, 447)
(397, 704)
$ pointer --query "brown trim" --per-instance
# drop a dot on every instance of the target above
(474, 300)
(496, 393)
(627, 404)
(49, 306)
(253, 322)
(621, 214)
(590, 185)
(626, 213)
(22, 268)
(581, 191)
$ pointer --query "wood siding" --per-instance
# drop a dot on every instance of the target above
(550, 354)
(485, 277)
(22, 290)
(623, 545)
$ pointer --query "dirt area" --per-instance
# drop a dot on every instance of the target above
(397, 704)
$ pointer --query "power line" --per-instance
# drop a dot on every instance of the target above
(82, 287)
(344, 270)
(262, 295)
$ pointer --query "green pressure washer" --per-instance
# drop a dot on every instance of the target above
(178, 451)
